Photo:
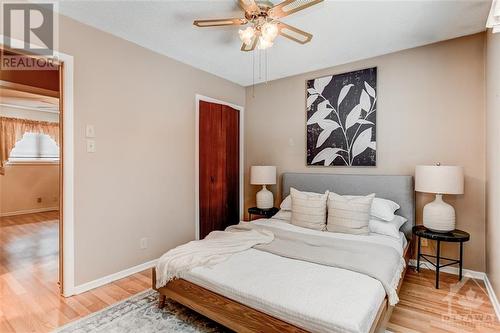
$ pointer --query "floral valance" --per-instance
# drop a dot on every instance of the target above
(13, 129)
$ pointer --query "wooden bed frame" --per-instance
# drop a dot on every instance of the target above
(242, 318)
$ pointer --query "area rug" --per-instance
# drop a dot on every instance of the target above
(140, 313)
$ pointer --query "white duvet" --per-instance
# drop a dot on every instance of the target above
(315, 297)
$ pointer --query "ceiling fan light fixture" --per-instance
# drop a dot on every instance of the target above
(264, 18)
(247, 35)
(264, 43)
(269, 31)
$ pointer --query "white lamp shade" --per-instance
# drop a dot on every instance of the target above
(442, 179)
(263, 175)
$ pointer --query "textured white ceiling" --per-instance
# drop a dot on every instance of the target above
(344, 31)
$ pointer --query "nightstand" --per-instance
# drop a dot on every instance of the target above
(267, 213)
(455, 236)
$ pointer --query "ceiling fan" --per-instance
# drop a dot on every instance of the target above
(265, 27)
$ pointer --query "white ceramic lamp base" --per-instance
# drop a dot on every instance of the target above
(265, 198)
(439, 216)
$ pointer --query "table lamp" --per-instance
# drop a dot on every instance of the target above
(439, 179)
(263, 175)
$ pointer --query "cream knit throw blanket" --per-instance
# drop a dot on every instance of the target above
(213, 249)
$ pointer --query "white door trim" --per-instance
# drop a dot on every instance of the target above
(241, 109)
(68, 177)
(69, 164)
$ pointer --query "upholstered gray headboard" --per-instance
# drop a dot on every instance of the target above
(395, 188)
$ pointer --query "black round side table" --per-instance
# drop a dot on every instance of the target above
(268, 213)
(455, 236)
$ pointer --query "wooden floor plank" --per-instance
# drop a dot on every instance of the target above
(29, 272)
(29, 294)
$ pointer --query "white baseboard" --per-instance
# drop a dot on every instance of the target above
(29, 211)
(451, 270)
(493, 296)
(112, 277)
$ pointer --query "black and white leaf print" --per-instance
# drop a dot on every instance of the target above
(328, 155)
(364, 101)
(311, 99)
(321, 83)
(341, 119)
(362, 142)
(343, 93)
(328, 127)
(328, 123)
(323, 110)
(370, 90)
(364, 122)
(353, 116)
(325, 134)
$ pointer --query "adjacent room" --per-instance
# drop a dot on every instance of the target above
(250, 166)
(29, 175)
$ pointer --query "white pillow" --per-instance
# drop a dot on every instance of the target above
(284, 215)
(381, 208)
(309, 209)
(389, 228)
(348, 214)
(384, 209)
(286, 204)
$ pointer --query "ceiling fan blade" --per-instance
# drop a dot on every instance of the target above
(251, 46)
(288, 7)
(220, 22)
(249, 6)
(293, 33)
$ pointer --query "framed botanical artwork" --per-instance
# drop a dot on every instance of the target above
(341, 119)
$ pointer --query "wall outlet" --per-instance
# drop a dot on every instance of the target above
(144, 243)
(39, 200)
(424, 242)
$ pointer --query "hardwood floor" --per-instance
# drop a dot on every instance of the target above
(455, 307)
(30, 300)
(29, 294)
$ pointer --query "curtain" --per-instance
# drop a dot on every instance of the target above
(13, 129)
(494, 17)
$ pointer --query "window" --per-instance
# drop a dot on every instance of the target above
(35, 147)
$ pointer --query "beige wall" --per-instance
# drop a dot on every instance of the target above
(493, 160)
(431, 108)
(140, 181)
(23, 184)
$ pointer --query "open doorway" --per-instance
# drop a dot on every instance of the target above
(31, 173)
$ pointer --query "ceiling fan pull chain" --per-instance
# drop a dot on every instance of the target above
(253, 73)
(260, 65)
(266, 68)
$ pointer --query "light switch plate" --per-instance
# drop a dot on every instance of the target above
(144, 243)
(90, 131)
(90, 146)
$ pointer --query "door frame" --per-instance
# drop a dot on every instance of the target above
(66, 168)
(241, 110)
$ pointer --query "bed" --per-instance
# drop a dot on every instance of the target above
(256, 291)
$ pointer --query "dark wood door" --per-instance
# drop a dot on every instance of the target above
(219, 167)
